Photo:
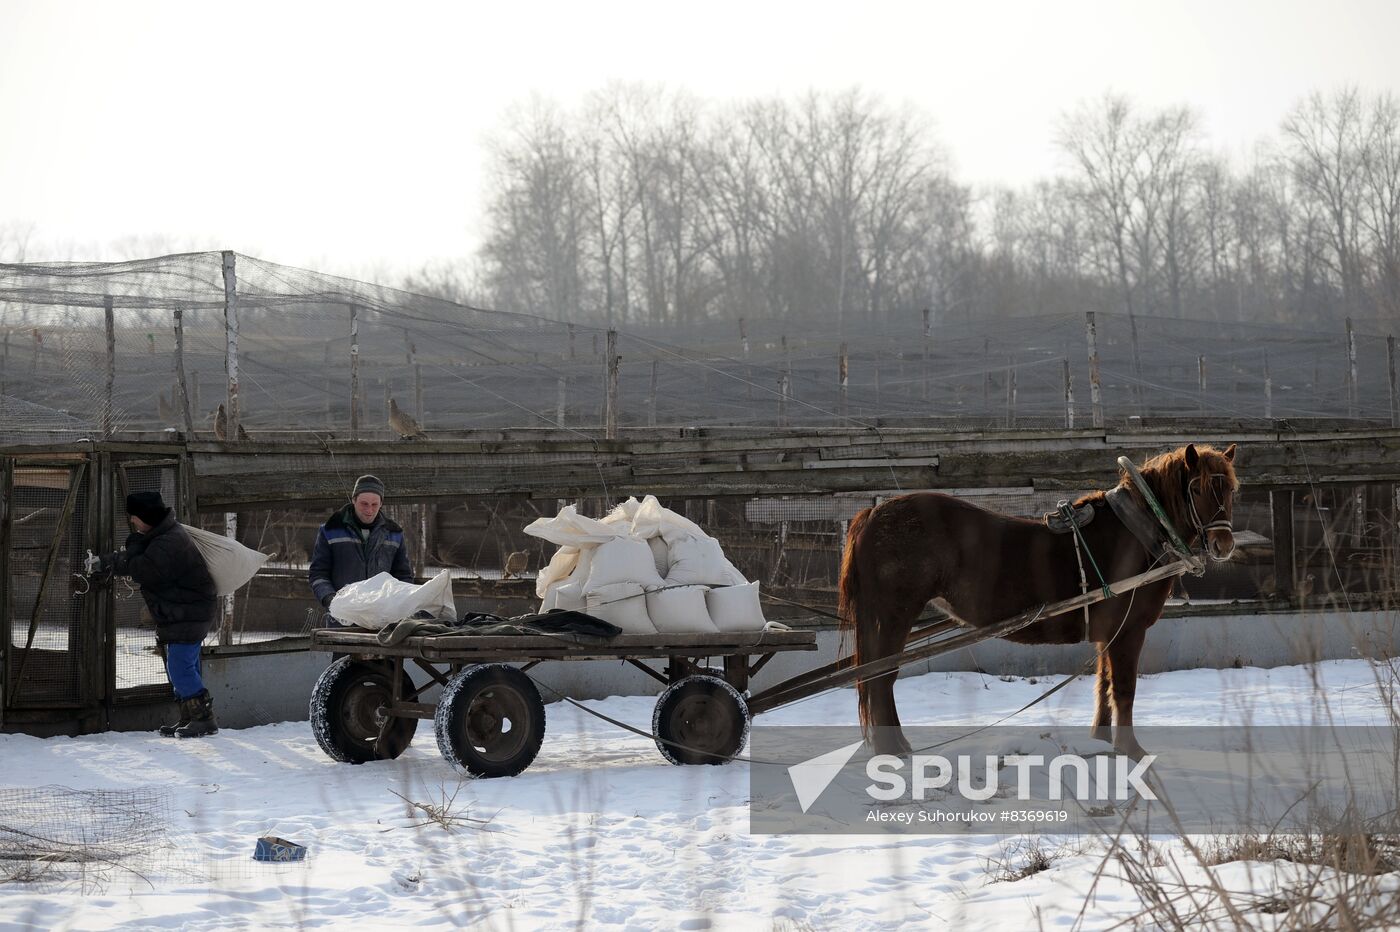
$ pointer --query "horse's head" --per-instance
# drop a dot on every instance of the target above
(1210, 487)
(1197, 487)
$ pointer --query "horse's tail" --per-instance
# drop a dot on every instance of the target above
(852, 606)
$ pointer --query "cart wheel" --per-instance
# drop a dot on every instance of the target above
(347, 712)
(705, 719)
(490, 721)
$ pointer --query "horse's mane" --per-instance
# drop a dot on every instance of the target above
(1167, 472)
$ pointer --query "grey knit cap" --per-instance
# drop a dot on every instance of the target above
(367, 484)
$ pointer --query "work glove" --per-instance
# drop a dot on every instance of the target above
(326, 601)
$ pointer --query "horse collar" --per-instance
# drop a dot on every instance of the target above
(1137, 520)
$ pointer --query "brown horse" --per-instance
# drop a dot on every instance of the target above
(986, 567)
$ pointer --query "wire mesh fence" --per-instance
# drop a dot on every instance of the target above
(332, 358)
(347, 358)
(55, 837)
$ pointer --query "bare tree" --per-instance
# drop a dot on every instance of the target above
(1326, 148)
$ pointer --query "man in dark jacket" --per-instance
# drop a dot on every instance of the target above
(357, 542)
(182, 598)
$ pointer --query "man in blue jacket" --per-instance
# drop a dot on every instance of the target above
(357, 542)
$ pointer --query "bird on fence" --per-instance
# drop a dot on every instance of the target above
(220, 422)
(403, 423)
(516, 563)
(1305, 588)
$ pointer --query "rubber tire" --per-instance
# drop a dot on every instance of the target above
(345, 736)
(490, 684)
(687, 714)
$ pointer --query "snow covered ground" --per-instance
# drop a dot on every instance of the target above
(601, 831)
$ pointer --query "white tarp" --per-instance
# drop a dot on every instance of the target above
(382, 600)
(230, 563)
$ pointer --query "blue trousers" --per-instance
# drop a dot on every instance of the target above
(182, 665)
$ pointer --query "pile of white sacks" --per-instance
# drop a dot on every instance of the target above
(647, 570)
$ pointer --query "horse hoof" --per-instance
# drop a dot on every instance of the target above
(1134, 751)
(890, 741)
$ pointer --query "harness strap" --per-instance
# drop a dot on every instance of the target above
(1083, 583)
(1081, 546)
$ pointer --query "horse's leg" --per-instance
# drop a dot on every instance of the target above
(1103, 708)
(887, 737)
(1123, 665)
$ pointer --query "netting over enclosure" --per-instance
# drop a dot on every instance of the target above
(452, 367)
(54, 835)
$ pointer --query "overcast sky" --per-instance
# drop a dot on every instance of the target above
(348, 137)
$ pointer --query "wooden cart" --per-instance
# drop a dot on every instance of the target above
(490, 718)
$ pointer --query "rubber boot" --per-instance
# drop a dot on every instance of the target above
(186, 709)
(201, 718)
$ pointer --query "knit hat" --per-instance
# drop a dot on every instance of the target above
(367, 484)
(148, 506)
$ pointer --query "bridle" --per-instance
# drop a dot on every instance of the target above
(1216, 523)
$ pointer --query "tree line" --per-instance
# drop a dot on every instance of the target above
(647, 206)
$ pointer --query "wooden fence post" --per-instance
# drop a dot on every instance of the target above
(928, 331)
(1095, 389)
(110, 324)
(185, 410)
(234, 413)
(1352, 392)
(1268, 389)
(1394, 394)
(842, 378)
(610, 420)
(1011, 392)
(354, 372)
(1285, 565)
(1069, 394)
(1137, 365)
(651, 397)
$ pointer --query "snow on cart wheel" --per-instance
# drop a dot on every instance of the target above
(700, 720)
(490, 721)
(349, 708)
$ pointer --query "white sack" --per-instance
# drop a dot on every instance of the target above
(572, 532)
(653, 519)
(230, 563)
(568, 596)
(382, 600)
(700, 561)
(556, 571)
(555, 595)
(624, 605)
(680, 610)
(735, 608)
(570, 529)
(624, 559)
(660, 554)
(623, 513)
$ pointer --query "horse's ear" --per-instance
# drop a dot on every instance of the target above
(1192, 457)
(1230, 453)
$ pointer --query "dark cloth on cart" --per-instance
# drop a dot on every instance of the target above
(573, 626)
